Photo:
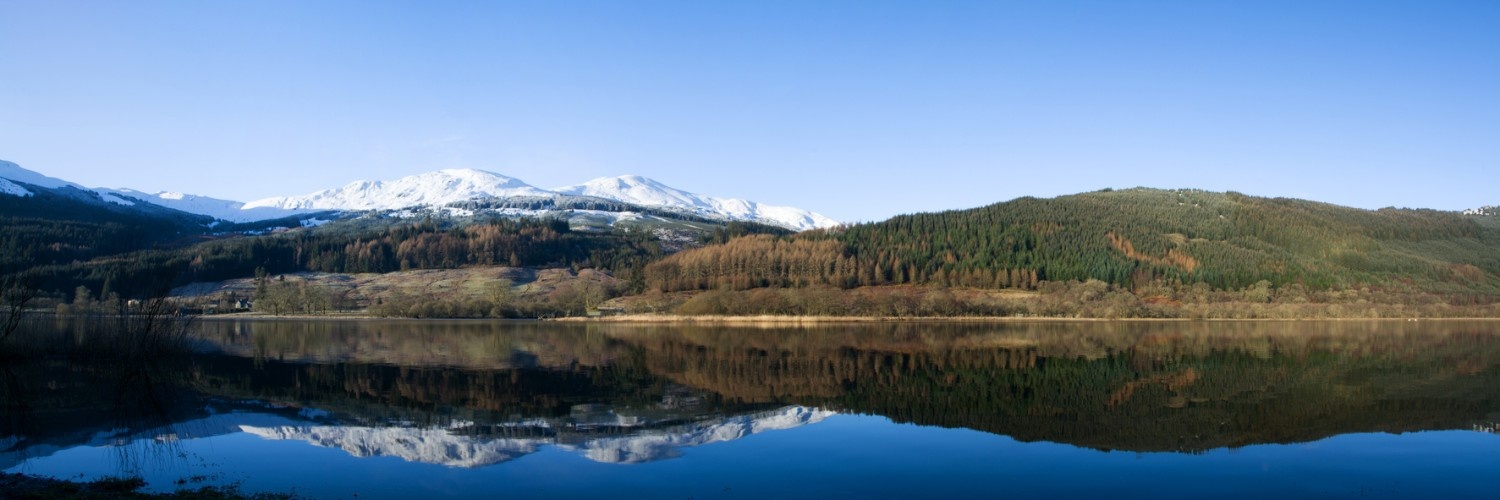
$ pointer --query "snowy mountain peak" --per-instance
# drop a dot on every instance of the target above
(430, 189)
(14, 172)
(648, 192)
(443, 187)
(636, 189)
(434, 189)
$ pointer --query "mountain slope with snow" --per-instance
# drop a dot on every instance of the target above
(443, 187)
(438, 189)
(647, 192)
(13, 189)
(430, 189)
(229, 210)
(13, 172)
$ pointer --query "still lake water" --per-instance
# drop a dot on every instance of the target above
(410, 409)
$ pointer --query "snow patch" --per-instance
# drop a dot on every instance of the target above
(115, 199)
(10, 188)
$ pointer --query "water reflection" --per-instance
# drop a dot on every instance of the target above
(472, 394)
(62, 388)
(1131, 386)
(474, 445)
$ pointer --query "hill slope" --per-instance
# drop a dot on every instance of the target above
(1127, 238)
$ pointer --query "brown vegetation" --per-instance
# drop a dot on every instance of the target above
(1172, 258)
(1088, 299)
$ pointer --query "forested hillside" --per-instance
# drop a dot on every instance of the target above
(65, 225)
(1127, 238)
(349, 248)
(1169, 247)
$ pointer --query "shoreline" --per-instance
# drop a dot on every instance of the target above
(23, 485)
(668, 319)
(788, 319)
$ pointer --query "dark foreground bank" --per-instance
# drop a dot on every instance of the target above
(19, 486)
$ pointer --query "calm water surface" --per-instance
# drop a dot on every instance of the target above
(405, 409)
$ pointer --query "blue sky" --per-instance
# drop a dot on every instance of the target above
(858, 110)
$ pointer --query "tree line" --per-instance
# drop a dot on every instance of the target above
(426, 244)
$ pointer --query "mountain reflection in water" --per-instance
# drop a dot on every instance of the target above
(457, 446)
(472, 394)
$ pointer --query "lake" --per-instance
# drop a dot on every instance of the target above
(403, 409)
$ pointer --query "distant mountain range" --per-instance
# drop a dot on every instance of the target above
(439, 190)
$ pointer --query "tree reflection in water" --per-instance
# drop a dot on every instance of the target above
(611, 390)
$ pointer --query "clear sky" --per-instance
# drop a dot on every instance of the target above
(859, 110)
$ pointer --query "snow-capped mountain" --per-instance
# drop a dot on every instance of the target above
(14, 179)
(443, 187)
(13, 173)
(229, 210)
(430, 189)
(647, 192)
(438, 189)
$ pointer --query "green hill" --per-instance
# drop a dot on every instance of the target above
(1128, 238)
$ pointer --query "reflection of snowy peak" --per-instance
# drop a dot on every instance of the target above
(430, 189)
(650, 446)
(429, 445)
(14, 451)
(446, 446)
(647, 192)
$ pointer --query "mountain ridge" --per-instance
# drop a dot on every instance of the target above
(436, 189)
(649, 192)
